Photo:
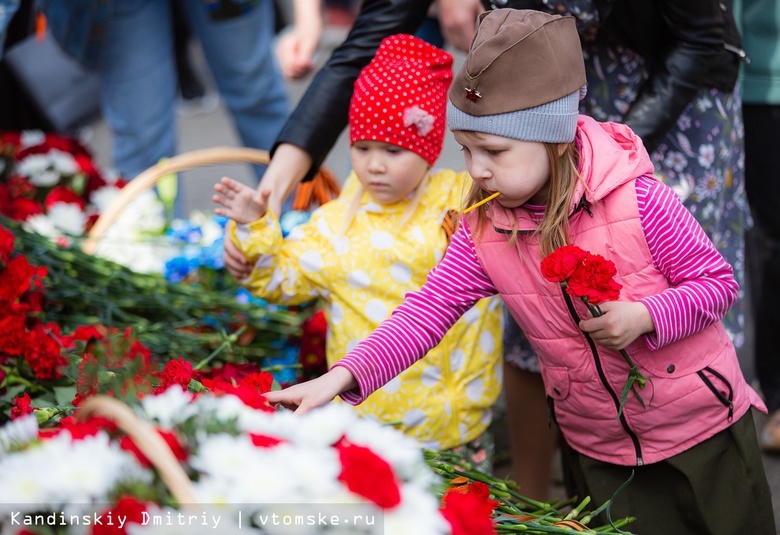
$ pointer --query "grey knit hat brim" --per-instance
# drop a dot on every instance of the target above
(554, 122)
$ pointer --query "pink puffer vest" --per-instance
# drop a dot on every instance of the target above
(697, 387)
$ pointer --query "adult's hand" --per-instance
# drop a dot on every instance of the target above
(458, 19)
(295, 49)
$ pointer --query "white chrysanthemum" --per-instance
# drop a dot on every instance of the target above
(137, 256)
(68, 217)
(418, 512)
(63, 162)
(18, 433)
(24, 482)
(61, 470)
(402, 452)
(326, 425)
(104, 197)
(43, 225)
(315, 470)
(223, 408)
(87, 470)
(223, 455)
(30, 138)
(170, 407)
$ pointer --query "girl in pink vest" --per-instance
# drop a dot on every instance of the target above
(562, 178)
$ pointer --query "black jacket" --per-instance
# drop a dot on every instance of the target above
(688, 45)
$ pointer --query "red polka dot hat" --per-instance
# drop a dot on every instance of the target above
(401, 96)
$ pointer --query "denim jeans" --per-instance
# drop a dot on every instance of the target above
(139, 86)
(7, 10)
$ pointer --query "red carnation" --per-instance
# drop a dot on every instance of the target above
(368, 475)
(265, 441)
(593, 280)
(43, 352)
(469, 512)
(127, 507)
(15, 280)
(21, 406)
(13, 334)
(21, 209)
(230, 371)
(178, 450)
(63, 194)
(80, 430)
(176, 372)
(559, 265)
(248, 394)
(6, 244)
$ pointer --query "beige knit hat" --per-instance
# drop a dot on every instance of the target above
(522, 79)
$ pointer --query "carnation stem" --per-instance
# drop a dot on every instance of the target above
(634, 375)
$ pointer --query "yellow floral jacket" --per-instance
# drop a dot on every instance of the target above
(445, 399)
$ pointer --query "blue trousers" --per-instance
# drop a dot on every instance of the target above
(139, 86)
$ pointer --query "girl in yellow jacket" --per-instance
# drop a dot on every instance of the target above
(362, 252)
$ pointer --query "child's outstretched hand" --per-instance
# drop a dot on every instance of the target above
(621, 324)
(241, 203)
(315, 393)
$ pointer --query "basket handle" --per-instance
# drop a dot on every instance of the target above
(149, 178)
(148, 441)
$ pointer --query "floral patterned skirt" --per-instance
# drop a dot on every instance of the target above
(701, 157)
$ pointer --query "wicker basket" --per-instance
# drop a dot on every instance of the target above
(319, 190)
(147, 440)
(148, 178)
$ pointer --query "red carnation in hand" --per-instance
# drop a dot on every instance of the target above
(593, 280)
(368, 475)
(559, 265)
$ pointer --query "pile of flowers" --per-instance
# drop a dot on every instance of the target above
(50, 182)
(77, 325)
(249, 468)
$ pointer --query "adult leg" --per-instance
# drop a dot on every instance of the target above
(138, 84)
(762, 183)
(532, 436)
(241, 57)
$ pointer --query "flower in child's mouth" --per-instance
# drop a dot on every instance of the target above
(590, 277)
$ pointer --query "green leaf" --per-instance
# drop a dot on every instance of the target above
(64, 395)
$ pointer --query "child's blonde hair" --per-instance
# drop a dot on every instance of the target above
(553, 231)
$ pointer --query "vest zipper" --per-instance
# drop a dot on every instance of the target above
(603, 378)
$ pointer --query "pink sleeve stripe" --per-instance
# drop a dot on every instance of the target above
(421, 321)
(703, 285)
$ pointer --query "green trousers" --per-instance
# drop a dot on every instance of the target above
(716, 488)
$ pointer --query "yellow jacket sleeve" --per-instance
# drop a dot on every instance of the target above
(286, 271)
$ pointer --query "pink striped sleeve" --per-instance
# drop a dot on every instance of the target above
(421, 321)
(703, 285)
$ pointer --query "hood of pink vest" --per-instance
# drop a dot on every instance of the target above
(611, 154)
